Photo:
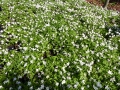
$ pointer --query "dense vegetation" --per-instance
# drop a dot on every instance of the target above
(58, 45)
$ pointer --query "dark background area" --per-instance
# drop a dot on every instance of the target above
(113, 4)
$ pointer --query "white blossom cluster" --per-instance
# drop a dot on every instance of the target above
(63, 46)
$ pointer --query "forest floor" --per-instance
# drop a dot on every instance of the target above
(113, 4)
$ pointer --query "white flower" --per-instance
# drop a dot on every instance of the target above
(76, 36)
(8, 63)
(29, 83)
(68, 64)
(44, 62)
(14, 79)
(55, 70)
(68, 77)
(47, 88)
(112, 79)
(0, 52)
(24, 27)
(19, 88)
(10, 88)
(2, 42)
(5, 52)
(75, 86)
(63, 68)
(1, 87)
(88, 86)
(37, 46)
(63, 82)
(118, 84)
(37, 70)
(111, 48)
(37, 6)
(87, 51)
(31, 88)
(12, 55)
(82, 88)
(107, 87)
(31, 61)
(61, 59)
(95, 88)
(81, 62)
(73, 43)
(19, 76)
(25, 48)
(31, 39)
(47, 76)
(33, 57)
(114, 13)
(42, 87)
(38, 89)
(83, 81)
(25, 64)
(47, 25)
(91, 63)
(18, 82)
(42, 81)
(26, 57)
(77, 46)
(57, 84)
(110, 72)
(102, 44)
(69, 86)
(102, 26)
(99, 84)
(60, 72)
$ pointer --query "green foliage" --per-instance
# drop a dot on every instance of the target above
(62, 45)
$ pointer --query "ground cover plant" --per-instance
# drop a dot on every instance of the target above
(58, 45)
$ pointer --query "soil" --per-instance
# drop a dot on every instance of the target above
(0, 9)
(113, 4)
